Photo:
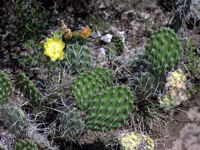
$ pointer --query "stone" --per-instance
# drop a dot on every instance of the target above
(107, 38)
(176, 87)
(131, 141)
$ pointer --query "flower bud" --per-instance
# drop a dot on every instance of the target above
(85, 33)
(68, 34)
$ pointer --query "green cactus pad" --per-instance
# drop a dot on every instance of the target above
(163, 50)
(104, 74)
(78, 58)
(110, 108)
(29, 89)
(16, 120)
(26, 145)
(147, 85)
(72, 123)
(84, 87)
(5, 87)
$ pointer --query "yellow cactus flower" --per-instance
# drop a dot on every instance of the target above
(85, 33)
(131, 140)
(54, 48)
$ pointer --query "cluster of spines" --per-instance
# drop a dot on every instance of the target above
(29, 89)
(163, 50)
(25, 144)
(5, 87)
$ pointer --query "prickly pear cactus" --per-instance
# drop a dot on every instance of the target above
(110, 108)
(15, 119)
(84, 87)
(163, 50)
(147, 85)
(104, 74)
(72, 123)
(26, 145)
(78, 58)
(5, 87)
(29, 89)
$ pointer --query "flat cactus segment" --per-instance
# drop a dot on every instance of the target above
(147, 85)
(72, 123)
(5, 87)
(26, 145)
(110, 108)
(78, 58)
(104, 74)
(163, 50)
(29, 89)
(84, 87)
(17, 122)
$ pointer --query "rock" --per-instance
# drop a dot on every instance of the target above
(101, 53)
(131, 141)
(176, 87)
(107, 38)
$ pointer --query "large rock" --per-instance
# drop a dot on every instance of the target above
(176, 87)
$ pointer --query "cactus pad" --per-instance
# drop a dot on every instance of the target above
(104, 74)
(148, 85)
(29, 89)
(163, 50)
(84, 87)
(78, 58)
(110, 108)
(72, 123)
(26, 145)
(16, 122)
(5, 87)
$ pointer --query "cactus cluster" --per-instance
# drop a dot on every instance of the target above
(29, 89)
(107, 107)
(25, 144)
(118, 44)
(163, 52)
(78, 58)
(5, 87)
